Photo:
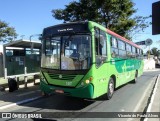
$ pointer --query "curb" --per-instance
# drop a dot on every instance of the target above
(151, 99)
(151, 70)
(20, 102)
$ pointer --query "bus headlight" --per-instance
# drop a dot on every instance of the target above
(89, 80)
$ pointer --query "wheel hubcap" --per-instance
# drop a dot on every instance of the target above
(111, 88)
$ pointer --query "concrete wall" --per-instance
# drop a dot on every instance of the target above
(149, 64)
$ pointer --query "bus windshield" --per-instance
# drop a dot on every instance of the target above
(67, 52)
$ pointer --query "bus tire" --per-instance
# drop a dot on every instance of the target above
(44, 94)
(110, 89)
(135, 78)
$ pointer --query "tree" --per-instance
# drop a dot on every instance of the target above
(155, 51)
(113, 14)
(6, 33)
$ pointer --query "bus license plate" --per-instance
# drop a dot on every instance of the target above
(59, 91)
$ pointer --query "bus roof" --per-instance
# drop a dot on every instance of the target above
(115, 34)
(122, 38)
(51, 30)
(66, 28)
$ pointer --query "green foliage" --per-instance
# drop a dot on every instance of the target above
(155, 51)
(77, 11)
(116, 15)
(6, 33)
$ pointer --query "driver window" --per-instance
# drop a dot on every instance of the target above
(100, 46)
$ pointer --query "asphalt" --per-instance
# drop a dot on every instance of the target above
(154, 102)
(22, 95)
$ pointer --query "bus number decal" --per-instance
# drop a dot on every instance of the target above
(68, 83)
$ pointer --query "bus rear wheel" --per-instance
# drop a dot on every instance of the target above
(135, 78)
(110, 89)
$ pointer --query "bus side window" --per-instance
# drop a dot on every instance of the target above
(129, 51)
(114, 47)
(133, 52)
(97, 45)
(100, 46)
(141, 53)
(138, 54)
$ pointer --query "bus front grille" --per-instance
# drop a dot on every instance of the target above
(61, 76)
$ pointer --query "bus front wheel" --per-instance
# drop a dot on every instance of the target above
(44, 94)
(110, 89)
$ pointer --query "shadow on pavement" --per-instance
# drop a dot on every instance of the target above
(61, 103)
(57, 102)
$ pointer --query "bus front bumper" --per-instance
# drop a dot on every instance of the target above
(82, 92)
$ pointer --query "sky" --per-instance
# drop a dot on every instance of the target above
(29, 17)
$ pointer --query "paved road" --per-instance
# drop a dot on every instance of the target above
(128, 98)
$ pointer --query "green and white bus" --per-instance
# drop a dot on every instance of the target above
(86, 60)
